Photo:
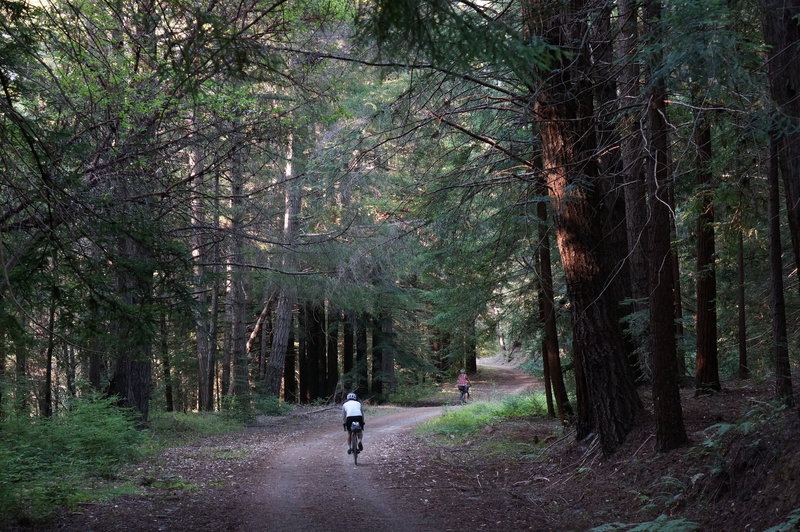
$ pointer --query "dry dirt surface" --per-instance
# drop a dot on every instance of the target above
(293, 474)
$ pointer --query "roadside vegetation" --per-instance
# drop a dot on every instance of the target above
(51, 463)
(742, 453)
(464, 421)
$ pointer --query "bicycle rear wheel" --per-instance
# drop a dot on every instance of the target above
(354, 439)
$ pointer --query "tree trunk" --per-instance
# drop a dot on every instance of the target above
(633, 178)
(348, 351)
(205, 381)
(332, 349)
(283, 311)
(780, 343)
(551, 353)
(258, 336)
(670, 431)
(21, 380)
(571, 174)
(290, 392)
(707, 366)
(306, 383)
(133, 367)
(782, 35)
(677, 296)
(316, 349)
(611, 169)
(47, 405)
(744, 369)
(361, 380)
(280, 342)
(238, 326)
(471, 348)
(166, 365)
(378, 352)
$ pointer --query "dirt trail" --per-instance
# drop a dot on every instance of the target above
(312, 484)
(293, 474)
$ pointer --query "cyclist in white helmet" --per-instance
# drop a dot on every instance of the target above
(352, 411)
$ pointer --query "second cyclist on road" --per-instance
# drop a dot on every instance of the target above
(463, 384)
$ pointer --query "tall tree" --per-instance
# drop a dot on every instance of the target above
(707, 365)
(285, 299)
(564, 113)
(551, 354)
(670, 431)
(633, 176)
(780, 342)
(782, 35)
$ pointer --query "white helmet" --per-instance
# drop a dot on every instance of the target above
(351, 396)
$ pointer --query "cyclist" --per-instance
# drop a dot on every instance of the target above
(352, 411)
(463, 384)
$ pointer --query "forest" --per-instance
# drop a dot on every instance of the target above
(210, 206)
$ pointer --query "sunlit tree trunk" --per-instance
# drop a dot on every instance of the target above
(564, 112)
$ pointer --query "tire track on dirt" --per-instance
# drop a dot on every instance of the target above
(312, 484)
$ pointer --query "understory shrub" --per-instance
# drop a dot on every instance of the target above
(44, 463)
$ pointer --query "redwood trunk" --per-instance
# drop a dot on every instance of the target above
(670, 431)
(707, 366)
(571, 175)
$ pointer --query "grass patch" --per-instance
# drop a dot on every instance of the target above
(174, 484)
(469, 419)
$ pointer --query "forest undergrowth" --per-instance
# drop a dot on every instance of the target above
(739, 472)
(499, 461)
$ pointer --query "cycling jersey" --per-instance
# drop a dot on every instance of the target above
(351, 408)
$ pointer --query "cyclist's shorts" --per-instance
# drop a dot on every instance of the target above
(463, 389)
(350, 419)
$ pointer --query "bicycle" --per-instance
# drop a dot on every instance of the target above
(464, 394)
(356, 433)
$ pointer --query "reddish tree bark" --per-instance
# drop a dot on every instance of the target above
(707, 364)
(564, 112)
